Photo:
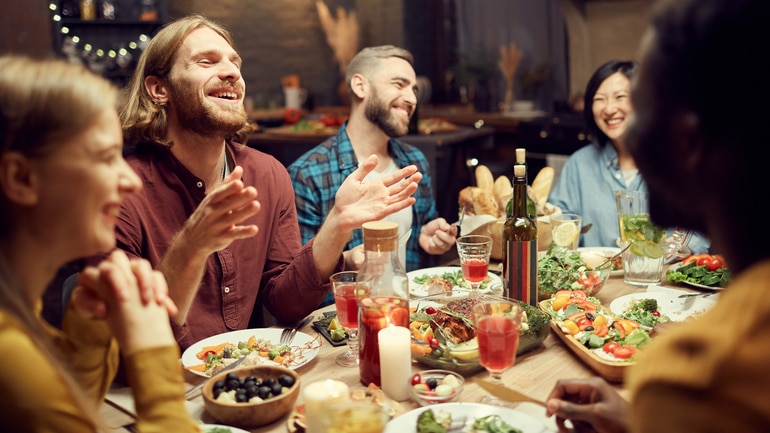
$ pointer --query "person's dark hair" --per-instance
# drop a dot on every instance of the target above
(625, 67)
(705, 40)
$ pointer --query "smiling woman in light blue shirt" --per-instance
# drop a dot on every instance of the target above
(591, 175)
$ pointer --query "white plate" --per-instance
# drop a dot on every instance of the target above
(274, 335)
(669, 304)
(209, 427)
(604, 252)
(494, 282)
(407, 423)
(700, 286)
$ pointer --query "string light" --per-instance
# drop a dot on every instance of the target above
(72, 41)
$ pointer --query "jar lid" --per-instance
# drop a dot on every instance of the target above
(377, 232)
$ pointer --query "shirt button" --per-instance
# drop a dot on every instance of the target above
(200, 184)
(227, 290)
(617, 175)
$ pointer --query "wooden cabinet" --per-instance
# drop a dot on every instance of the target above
(112, 41)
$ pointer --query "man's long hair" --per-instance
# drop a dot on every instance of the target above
(144, 120)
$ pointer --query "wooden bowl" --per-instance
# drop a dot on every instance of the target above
(248, 415)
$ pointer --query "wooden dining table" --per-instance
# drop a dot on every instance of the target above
(535, 373)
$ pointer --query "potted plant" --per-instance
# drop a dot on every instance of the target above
(531, 79)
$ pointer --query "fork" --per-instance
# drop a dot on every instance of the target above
(459, 222)
(287, 335)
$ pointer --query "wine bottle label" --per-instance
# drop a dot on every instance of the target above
(521, 271)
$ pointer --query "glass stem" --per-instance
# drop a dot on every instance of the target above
(353, 340)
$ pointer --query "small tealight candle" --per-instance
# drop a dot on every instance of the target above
(318, 397)
(395, 361)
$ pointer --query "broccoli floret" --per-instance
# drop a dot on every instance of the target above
(646, 304)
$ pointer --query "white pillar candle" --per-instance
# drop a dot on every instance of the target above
(321, 395)
(395, 361)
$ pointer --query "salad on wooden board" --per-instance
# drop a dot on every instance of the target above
(610, 337)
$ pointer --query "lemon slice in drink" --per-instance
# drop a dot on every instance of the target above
(565, 234)
(466, 351)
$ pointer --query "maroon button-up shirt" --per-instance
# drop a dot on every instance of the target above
(273, 262)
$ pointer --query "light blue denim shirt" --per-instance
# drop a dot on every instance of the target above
(586, 186)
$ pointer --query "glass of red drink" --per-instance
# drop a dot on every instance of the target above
(346, 297)
(474, 251)
(497, 321)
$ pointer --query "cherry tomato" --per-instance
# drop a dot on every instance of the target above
(329, 119)
(431, 310)
(584, 323)
(656, 313)
(693, 258)
(610, 347)
(570, 327)
(716, 262)
(624, 352)
(416, 379)
(291, 116)
(433, 343)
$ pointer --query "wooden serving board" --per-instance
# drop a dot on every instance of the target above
(611, 371)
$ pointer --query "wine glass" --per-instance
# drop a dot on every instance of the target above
(497, 321)
(346, 295)
(474, 252)
(677, 247)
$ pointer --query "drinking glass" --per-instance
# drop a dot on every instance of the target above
(474, 252)
(565, 230)
(346, 295)
(643, 261)
(497, 322)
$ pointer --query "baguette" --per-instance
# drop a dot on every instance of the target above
(503, 192)
(465, 200)
(541, 186)
(485, 180)
(483, 203)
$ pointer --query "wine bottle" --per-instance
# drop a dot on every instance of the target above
(520, 245)
(386, 299)
(521, 159)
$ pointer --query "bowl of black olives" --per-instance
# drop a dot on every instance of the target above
(251, 396)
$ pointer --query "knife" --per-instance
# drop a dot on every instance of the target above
(507, 394)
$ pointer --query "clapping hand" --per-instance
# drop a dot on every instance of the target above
(357, 202)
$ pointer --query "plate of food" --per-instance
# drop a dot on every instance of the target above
(608, 341)
(430, 281)
(217, 428)
(444, 337)
(703, 271)
(477, 417)
(210, 355)
(594, 256)
(678, 307)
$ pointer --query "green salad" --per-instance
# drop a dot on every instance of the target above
(559, 269)
(455, 277)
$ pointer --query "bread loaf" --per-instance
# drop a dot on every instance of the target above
(465, 200)
(503, 192)
(541, 186)
(483, 203)
(485, 180)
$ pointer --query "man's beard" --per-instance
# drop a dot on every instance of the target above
(379, 113)
(202, 116)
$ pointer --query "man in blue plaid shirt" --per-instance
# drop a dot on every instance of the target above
(383, 89)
